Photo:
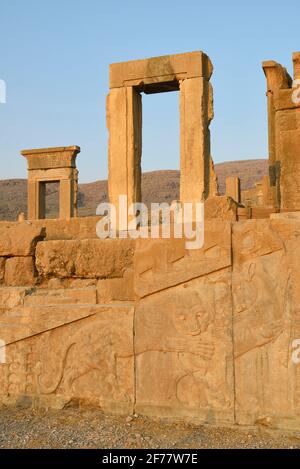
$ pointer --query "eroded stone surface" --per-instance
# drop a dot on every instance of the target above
(71, 296)
(19, 239)
(183, 348)
(52, 165)
(88, 258)
(11, 297)
(190, 74)
(116, 289)
(220, 207)
(160, 264)
(150, 326)
(265, 299)
(160, 69)
(284, 136)
(207, 336)
(88, 361)
(20, 271)
(2, 268)
(233, 188)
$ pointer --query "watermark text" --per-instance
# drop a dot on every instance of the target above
(162, 220)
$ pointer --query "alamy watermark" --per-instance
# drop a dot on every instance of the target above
(2, 92)
(296, 92)
(163, 220)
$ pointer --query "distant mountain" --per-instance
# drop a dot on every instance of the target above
(157, 186)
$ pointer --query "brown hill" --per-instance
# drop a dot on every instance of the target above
(157, 186)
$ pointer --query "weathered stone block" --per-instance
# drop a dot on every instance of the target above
(49, 158)
(221, 207)
(244, 213)
(52, 165)
(194, 140)
(189, 73)
(160, 69)
(164, 263)
(25, 320)
(266, 295)
(252, 239)
(290, 170)
(88, 361)
(88, 258)
(124, 121)
(184, 353)
(284, 135)
(19, 239)
(62, 296)
(116, 289)
(75, 228)
(233, 188)
(20, 271)
(11, 297)
(2, 268)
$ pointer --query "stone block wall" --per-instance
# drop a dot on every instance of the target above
(17, 253)
(147, 326)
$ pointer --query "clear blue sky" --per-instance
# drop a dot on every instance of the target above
(54, 57)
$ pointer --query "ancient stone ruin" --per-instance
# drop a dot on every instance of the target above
(146, 325)
(50, 165)
(284, 140)
(187, 73)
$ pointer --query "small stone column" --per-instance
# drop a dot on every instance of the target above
(233, 188)
(196, 113)
(266, 191)
(124, 122)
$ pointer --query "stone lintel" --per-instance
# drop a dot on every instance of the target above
(47, 158)
(52, 174)
(165, 69)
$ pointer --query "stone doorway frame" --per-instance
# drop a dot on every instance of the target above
(47, 165)
(187, 73)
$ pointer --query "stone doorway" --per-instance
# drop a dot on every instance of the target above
(187, 73)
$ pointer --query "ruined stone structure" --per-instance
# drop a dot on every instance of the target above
(233, 188)
(259, 196)
(146, 325)
(187, 73)
(52, 165)
(284, 134)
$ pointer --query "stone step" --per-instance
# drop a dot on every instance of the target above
(68, 296)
